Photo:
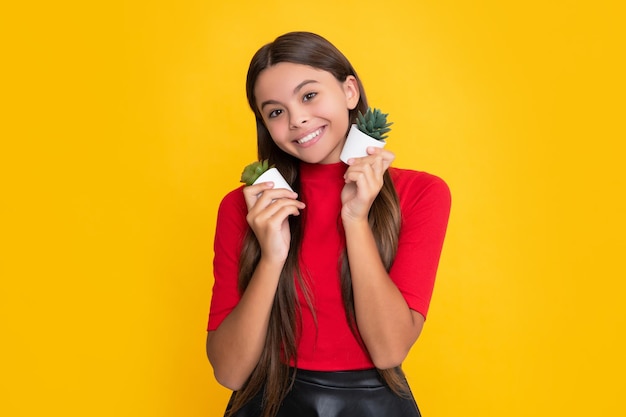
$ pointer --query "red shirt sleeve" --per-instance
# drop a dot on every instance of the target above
(425, 206)
(230, 231)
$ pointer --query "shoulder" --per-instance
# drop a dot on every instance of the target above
(233, 205)
(419, 185)
(425, 203)
(234, 198)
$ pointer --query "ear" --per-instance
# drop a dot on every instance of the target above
(351, 89)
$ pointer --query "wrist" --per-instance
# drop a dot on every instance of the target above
(271, 264)
(355, 224)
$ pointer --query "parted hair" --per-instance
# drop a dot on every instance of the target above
(273, 374)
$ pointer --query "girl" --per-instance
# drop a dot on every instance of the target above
(320, 293)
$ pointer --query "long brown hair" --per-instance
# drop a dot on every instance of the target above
(272, 373)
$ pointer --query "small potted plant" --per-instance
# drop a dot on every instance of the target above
(262, 171)
(370, 129)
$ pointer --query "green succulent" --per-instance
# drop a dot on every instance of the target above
(373, 123)
(254, 170)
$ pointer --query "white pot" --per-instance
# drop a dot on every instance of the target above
(357, 143)
(276, 177)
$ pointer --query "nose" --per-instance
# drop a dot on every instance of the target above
(298, 118)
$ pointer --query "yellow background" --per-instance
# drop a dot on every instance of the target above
(124, 123)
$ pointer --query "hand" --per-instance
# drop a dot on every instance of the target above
(268, 212)
(364, 180)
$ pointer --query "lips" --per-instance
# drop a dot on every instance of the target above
(310, 136)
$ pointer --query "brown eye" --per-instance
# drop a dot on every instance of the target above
(309, 96)
(274, 113)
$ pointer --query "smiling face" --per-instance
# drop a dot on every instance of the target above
(306, 110)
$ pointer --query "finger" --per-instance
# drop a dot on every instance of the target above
(363, 174)
(251, 193)
(387, 156)
(378, 166)
(274, 214)
(373, 155)
(270, 196)
(275, 206)
(272, 200)
(265, 194)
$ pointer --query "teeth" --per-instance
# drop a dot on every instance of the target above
(309, 136)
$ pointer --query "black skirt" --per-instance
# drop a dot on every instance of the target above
(338, 394)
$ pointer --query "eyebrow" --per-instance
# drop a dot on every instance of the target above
(295, 91)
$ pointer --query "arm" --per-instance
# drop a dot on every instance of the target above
(387, 325)
(387, 305)
(234, 348)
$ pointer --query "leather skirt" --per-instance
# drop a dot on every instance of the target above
(338, 394)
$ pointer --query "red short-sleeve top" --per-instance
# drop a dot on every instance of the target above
(331, 345)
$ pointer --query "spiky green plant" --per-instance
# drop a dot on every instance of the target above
(373, 123)
(254, 170)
